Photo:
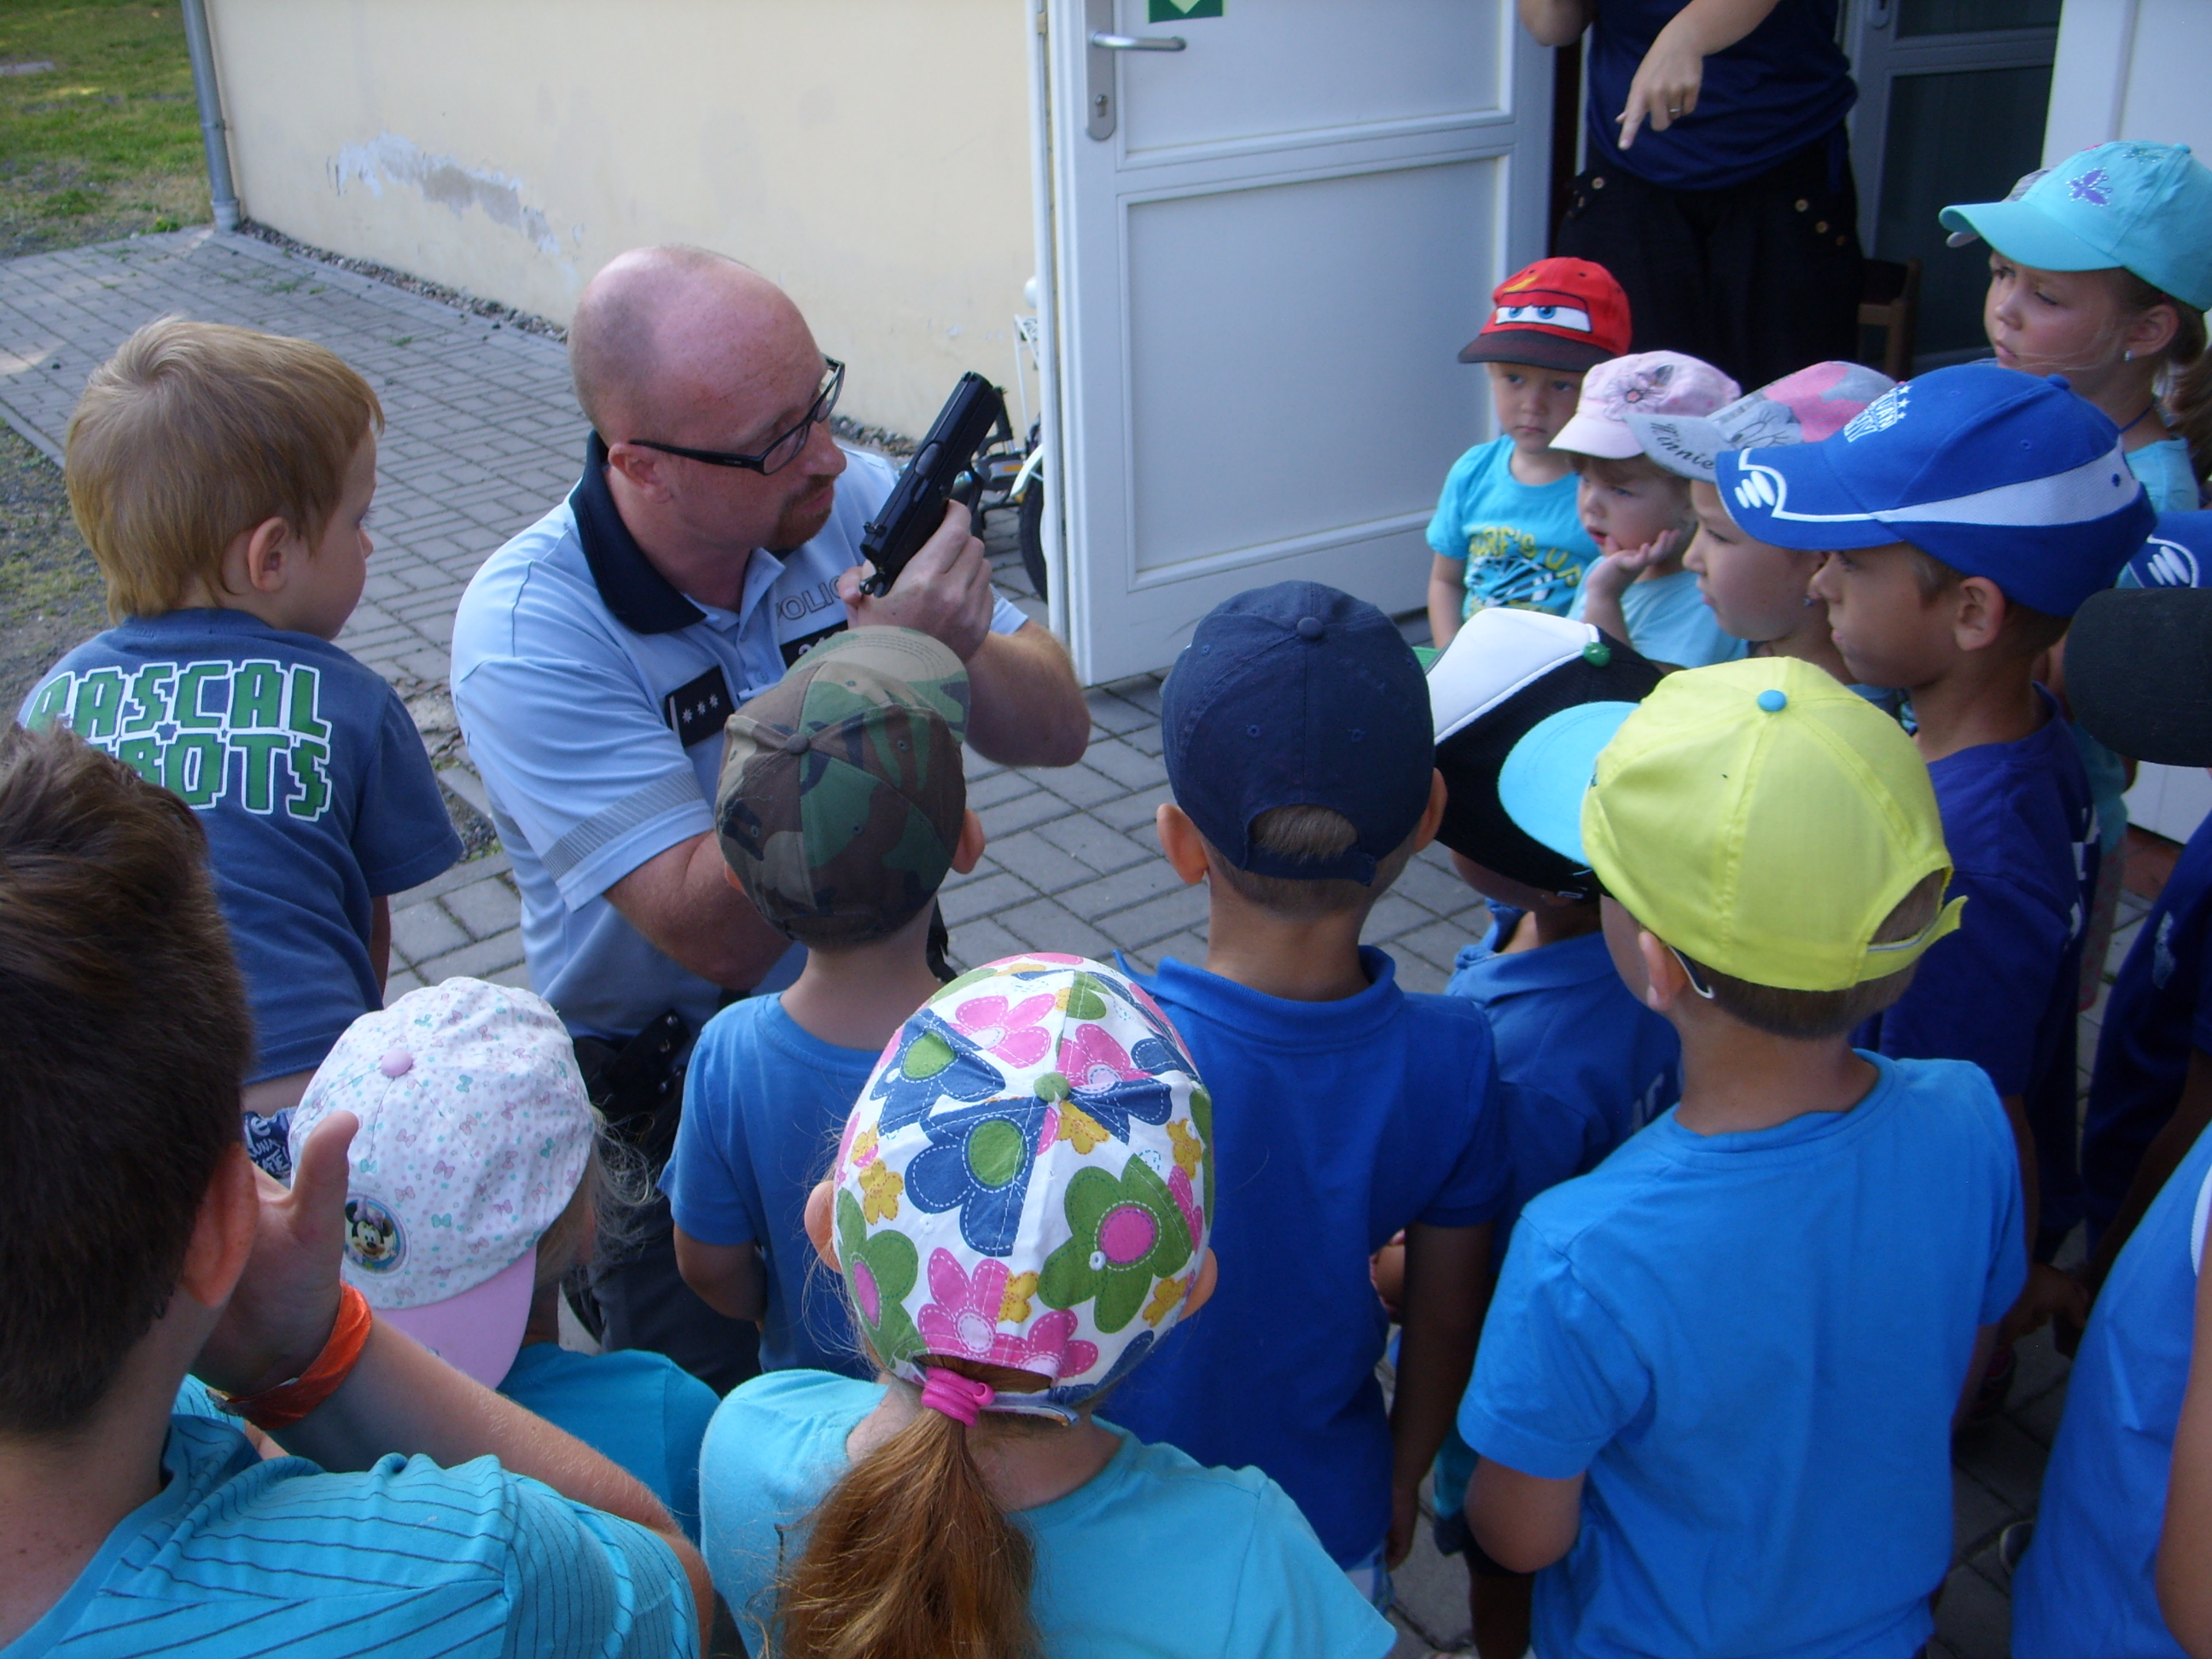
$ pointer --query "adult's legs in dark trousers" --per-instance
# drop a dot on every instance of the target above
(1760, 279)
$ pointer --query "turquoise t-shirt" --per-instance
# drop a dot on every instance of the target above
(235, 1556)
(1668, 621)
(633, 1408)
(1153, 1558)
(2168, 477)
(1523, 544)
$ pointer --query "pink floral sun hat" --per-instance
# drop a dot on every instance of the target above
(1025, 1181)
(1648, 383)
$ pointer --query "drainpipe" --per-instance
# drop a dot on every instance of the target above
(221, 195)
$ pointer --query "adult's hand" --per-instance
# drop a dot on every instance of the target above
(945, 591)
(286, 1300)
(1672, 75)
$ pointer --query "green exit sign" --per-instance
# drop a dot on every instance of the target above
(1175, 11)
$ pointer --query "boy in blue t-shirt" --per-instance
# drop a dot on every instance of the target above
(1582, 1064)
(1299, 743)
(1506, 530)
(223, 479)
(842, 803)
(1966, 515)
(1714, 1400)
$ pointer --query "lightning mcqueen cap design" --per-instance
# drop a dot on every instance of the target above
(1567, 314)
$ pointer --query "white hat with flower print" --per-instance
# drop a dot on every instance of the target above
(1025, 1184)
(475, 1132)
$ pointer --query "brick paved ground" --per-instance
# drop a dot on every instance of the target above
(483, 435)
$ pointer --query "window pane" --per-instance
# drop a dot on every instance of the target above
(1973, 16)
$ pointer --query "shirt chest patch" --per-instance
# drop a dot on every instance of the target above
(696, 710)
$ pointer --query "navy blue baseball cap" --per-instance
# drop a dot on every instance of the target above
(1298, 695)
(1996, 473)
(2178, 554)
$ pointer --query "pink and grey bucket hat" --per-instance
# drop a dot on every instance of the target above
(1648, 383)
(1025, 1182)
(1798, 409)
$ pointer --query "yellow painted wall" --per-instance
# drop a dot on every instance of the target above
(871, 155)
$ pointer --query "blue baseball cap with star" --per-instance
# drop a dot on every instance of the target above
(1995, 473)
(2130, 206)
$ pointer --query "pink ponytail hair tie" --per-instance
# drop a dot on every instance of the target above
(960, 1398)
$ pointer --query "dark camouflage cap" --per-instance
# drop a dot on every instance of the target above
(841, 792)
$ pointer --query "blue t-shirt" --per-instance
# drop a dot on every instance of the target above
(1762, 99)
(638, 1409)
(1335, 1125)
(2167, 475)
(236, 1556)
(1153, 1556)
(765, 1102)
(2085, 1589)
(309, 778)
(1753, 1346)
(1522, 544)
(2001, 990)
(1668, 621)
(2160, 1010)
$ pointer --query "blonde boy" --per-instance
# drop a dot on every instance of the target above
(222, 479)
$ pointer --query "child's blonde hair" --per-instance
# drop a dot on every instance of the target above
(194, 433)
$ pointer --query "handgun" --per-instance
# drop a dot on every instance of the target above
(944, 468)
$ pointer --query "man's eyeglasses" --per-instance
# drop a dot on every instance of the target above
(784, 448)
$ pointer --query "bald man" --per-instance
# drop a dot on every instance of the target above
(713, 538)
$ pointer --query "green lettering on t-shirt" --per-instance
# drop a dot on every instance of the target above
(257, 696)
(150, 691)
(190, 714)
(193, 766)
(143, 756)
(98, 709)
(310, 763)
(52, 703)
(259, 751)
(306, 690)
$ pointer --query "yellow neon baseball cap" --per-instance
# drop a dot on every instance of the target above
(1758, 815)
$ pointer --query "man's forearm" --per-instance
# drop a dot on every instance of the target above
(1026, 708)
(681, 901)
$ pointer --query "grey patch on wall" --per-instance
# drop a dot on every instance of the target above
(390, 159)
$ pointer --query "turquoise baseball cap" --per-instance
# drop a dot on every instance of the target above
(2143, 208)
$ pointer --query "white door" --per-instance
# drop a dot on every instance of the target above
(1269, 248)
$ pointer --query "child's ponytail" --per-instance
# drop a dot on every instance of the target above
(2189, 392)
(910, 1558)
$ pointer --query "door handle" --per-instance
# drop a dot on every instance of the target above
(1107, 42)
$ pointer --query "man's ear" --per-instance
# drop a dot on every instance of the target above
(1977, 615)
(223, 1235)
(967, 851)
(1665, 979)
(1180, 839)
(1433, 814)
(821, 1207)
(646, 471)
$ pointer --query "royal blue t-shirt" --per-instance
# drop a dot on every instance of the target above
(1752, 1344)
(1762, 99)
(2160, 1010)
(2085, 1588)
(765, 1102)
(308, 776)
(1521, 544)
(2001, 990)
(1335, 1125)
(633, 1408)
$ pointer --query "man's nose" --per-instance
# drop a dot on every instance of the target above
(824, 459)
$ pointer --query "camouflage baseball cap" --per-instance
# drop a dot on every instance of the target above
(841, 792)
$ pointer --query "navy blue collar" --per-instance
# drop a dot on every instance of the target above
(641, 600)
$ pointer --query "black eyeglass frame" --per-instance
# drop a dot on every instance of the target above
(824, 404)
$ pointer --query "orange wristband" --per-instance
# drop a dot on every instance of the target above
(282, 1406)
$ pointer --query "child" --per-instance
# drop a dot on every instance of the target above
(1581, 1064)
(477, 1176)
(1020, 1212)
(136, 1239)
(865, 731)
(1757, 592)
(1299, 746)
(1714, 1399)
(1505, 530)
(2139, 668)
(2101, 270)
(1968, 514)
(222, 479)
(1639, 512)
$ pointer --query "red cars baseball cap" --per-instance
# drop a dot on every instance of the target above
(1558, 313)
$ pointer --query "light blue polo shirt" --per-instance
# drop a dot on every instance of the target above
(578, 674)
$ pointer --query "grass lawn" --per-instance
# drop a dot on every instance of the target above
(51, 594)
(107, 140)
